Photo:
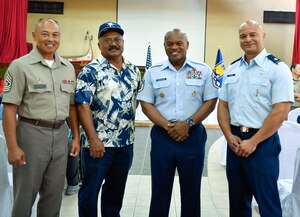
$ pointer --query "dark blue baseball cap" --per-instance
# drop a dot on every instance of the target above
(110, 26)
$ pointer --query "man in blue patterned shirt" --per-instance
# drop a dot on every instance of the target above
(106, 99)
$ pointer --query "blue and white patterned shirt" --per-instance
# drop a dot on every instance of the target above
(112, 99)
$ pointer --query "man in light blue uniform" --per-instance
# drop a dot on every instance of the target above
(106, 97)
(255, 99)
(178, 95)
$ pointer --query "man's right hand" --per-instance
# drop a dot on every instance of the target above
(97, 149)
(234, 143)
(16, 156)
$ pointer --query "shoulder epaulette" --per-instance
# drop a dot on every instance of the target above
(236, 60)
(274, 59)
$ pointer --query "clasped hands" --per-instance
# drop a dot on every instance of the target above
(178, 131)
(242, 148)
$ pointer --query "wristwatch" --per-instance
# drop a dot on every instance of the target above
(190, 122)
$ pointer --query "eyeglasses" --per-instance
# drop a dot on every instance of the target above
(109, 41)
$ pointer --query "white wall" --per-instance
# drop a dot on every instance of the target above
(147, 21)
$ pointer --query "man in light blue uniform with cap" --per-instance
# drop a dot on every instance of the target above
(255, 99)
(178, 95)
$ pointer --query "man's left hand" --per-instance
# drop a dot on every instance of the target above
(180, 131)
(246, 148)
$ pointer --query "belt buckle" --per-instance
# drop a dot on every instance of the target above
(56, 125)
(244, 129)
(36, 122)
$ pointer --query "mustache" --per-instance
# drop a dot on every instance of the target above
(113, 47)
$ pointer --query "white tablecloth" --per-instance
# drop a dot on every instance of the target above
(293, 115)
(6, 192)
(289, 191)
(289, 134)
(223, 147)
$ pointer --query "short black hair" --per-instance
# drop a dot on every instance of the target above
(293, 66)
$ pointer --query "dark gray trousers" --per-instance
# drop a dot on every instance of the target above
(44, 173)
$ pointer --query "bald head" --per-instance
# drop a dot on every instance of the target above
(42, 20)
(177, 32)
(250, 23)
(252, 38)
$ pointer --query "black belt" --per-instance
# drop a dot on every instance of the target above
(244, 129)
(43, 123)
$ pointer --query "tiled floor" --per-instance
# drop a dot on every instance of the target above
(214, 198)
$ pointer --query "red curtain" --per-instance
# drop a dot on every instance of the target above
(296, 51)
(13, 23)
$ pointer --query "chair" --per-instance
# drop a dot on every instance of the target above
(289, 134)
(139, 115)
(223, 147)
(290, 191)
(6, 192)
(293, 115)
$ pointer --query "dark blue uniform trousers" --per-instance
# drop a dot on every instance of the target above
(256, 176)
(188, 158)
(113, 167)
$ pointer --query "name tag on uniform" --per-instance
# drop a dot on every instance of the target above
(161, 79)
(39, 86)
(231, 75)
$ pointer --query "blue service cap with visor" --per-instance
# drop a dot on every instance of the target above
(109, 26)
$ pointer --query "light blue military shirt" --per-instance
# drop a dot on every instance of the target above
(251, 90)
(177, 95)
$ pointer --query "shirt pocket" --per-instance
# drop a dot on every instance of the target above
(260, 85)
(232, 87)
(68, 88)
(231, 80)
(67, 93)
(161, 84)
(162, 89)
(194, 89)
(39, 95)
(260, 89)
